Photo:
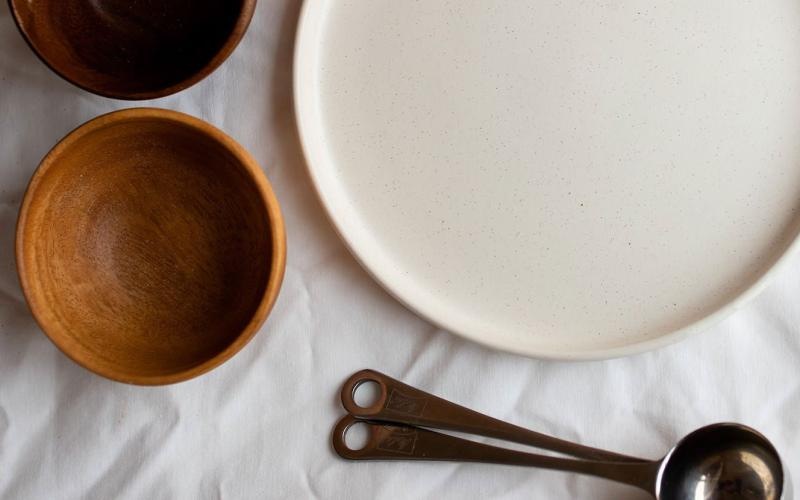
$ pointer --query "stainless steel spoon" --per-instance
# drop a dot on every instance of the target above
(720, 461)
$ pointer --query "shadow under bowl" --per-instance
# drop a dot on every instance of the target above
(127, 49)
(150, 247)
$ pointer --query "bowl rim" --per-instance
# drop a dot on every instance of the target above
(256, 176)
(231, 42)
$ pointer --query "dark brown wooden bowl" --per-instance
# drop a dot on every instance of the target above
(128, 49)
(150, 247)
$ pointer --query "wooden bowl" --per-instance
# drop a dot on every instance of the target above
(150, 246)
(133, 50)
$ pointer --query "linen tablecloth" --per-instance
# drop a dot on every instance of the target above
(259, 426)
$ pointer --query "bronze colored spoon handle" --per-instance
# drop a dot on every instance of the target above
(396, 442)
(402, 404)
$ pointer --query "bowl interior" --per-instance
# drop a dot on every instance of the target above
(125, 48)
(145, 248)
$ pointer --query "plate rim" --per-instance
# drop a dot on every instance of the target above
(302, 87)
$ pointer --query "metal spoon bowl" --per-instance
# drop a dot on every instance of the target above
(722, 461)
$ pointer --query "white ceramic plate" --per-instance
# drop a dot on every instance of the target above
(567, 180)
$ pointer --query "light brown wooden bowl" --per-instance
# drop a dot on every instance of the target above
(150, 247)
(127, 49)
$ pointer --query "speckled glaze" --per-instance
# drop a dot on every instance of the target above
(557, 179)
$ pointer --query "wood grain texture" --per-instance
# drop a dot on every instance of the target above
(150, 246)
(133, 49)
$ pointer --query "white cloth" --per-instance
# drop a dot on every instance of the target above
(259, 426)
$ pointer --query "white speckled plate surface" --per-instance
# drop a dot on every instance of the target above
(566, 180)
